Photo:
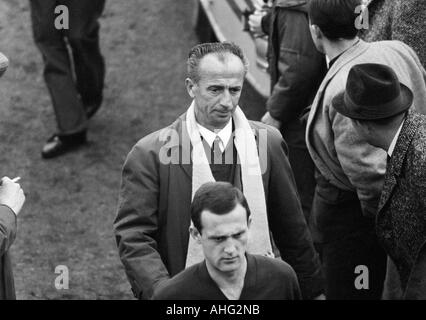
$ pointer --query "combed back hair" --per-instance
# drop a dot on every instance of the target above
(217, 197)
(335, 18)
(218, 48)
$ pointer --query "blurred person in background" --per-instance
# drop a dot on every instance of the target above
(296, 70)
(74, 68)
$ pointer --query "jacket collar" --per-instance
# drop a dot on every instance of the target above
(393, 171)
(350, 54)
(178, 137)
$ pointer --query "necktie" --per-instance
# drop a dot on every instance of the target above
(217, 153)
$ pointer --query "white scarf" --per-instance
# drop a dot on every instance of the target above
(245, 144)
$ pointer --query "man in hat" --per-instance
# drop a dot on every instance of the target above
(75, 82)
(350, 172)
(221, 226)
(378, 105)
(12, 199)
(212, 141)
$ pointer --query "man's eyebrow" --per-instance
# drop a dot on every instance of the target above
(216, 86)
(227, 235)
(218, 236)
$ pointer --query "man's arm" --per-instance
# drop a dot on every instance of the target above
(136, 224)
(12, 199)
(7, 228)
(259, 23)
(363, 164)
(287, 222)
(300, 67)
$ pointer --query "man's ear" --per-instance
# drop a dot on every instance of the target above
(195, 234)
(190, 87)
(316, 31)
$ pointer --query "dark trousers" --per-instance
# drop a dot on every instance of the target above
(72, 86)
(347, 240)
(301, 163)
(303, 171)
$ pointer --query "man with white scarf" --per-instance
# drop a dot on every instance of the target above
(212, 141)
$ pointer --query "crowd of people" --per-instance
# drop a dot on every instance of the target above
(216, 206)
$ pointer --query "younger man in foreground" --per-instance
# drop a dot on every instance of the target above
(221, 221)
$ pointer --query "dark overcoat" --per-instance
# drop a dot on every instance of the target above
(153, 218)
(295, 65)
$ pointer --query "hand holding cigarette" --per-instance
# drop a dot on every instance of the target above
(11, 194)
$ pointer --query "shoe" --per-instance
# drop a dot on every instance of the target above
(60, 144)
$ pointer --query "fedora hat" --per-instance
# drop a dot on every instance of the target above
(4, 63)
(373, 92)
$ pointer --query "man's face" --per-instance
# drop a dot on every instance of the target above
(224, 239)
(218, 90)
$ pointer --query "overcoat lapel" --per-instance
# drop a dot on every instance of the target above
(179, 145)
(347, 57)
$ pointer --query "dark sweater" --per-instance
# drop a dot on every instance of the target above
(266, 279)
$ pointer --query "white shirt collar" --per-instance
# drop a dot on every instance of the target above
(327, 61)
(224, 135)
(395, 139)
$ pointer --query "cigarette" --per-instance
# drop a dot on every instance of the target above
(16, 179)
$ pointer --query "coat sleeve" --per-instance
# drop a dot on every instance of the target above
(363, 164)
(136, 223)
(265, 23)
(7, 229)
(300, 67)
(287, 222)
